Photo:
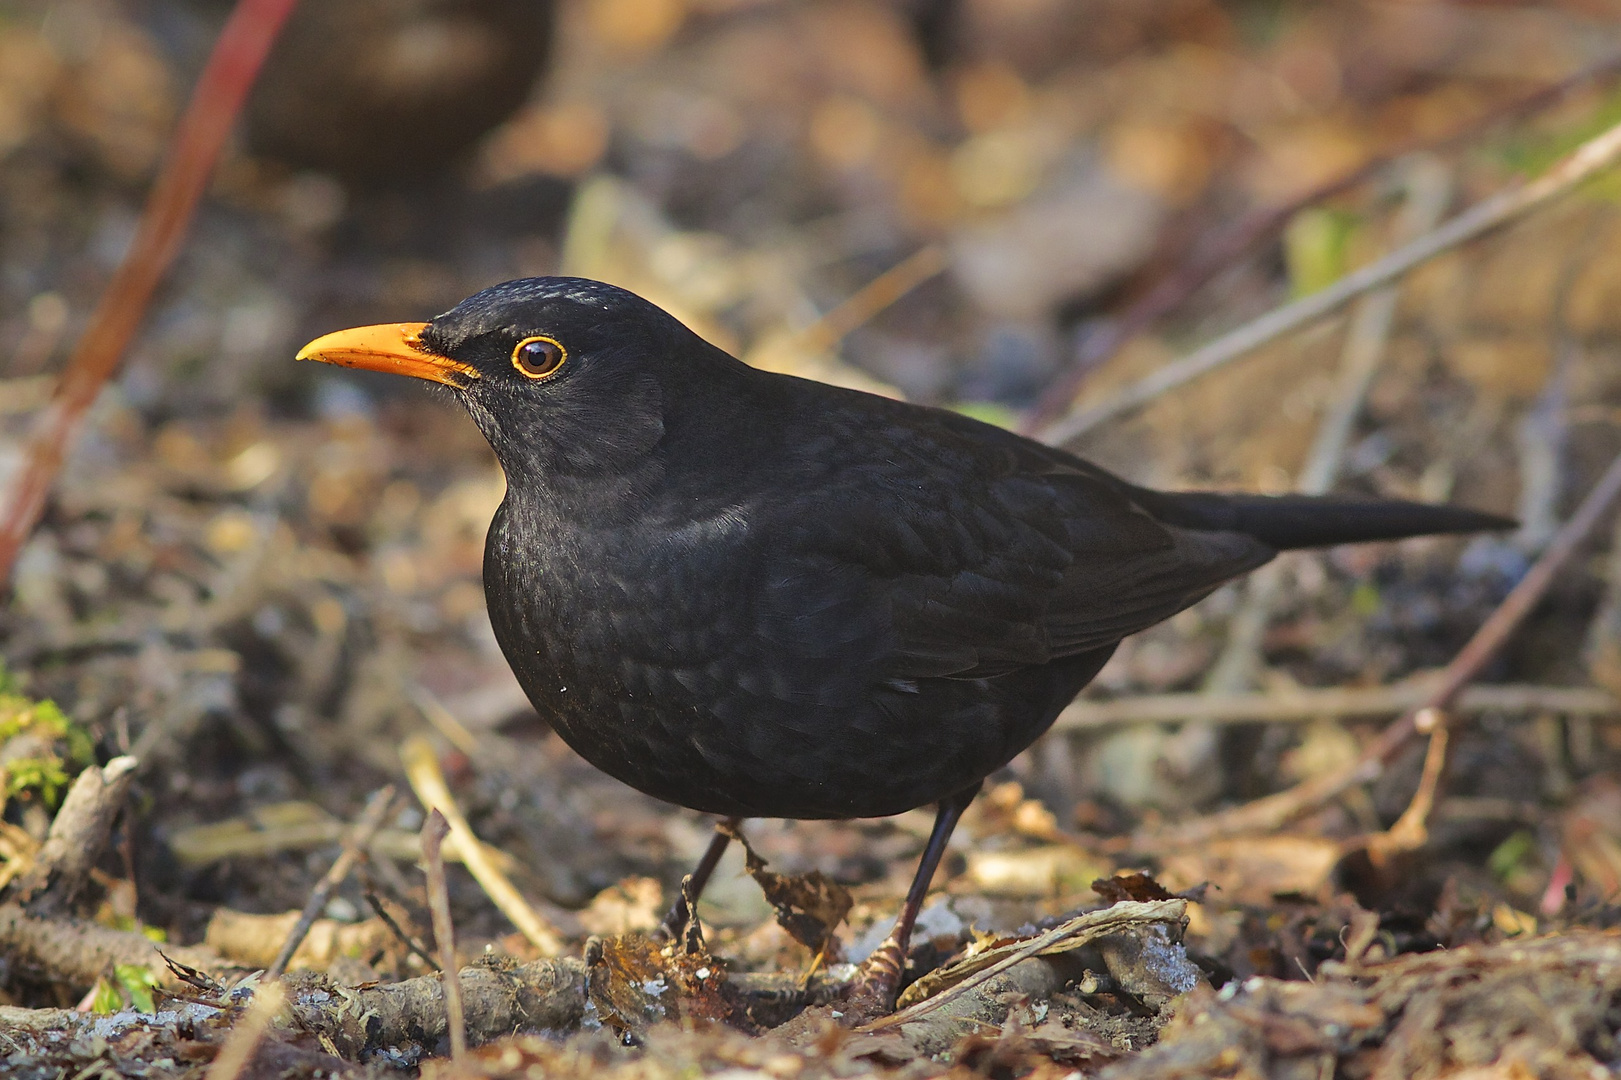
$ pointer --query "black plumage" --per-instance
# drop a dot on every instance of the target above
(757, 595)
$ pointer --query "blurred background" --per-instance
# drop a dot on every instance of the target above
(256, 572)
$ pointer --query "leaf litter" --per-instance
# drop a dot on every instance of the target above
(243, 574)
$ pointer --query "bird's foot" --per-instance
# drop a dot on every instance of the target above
(873, 993)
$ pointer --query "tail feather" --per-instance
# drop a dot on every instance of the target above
(1304, 521)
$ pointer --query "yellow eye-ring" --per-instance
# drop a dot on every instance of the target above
(538, 357)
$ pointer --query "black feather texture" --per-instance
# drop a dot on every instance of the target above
(758, 595)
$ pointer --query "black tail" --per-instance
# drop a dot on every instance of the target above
(1303, 521)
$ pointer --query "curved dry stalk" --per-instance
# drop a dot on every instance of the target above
(422, 769)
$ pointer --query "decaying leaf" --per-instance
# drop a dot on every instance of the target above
(1131, 885)
(634, 983)
(809, 906)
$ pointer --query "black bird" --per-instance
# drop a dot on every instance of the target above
(378, 90)
(760, 596)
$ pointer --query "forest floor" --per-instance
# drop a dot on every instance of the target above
(249, 634)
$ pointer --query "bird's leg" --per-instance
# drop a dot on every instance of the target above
(694, 882)
(880, 977)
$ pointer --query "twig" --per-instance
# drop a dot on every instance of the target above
(243, 44)
(1584, 162)
(1301, 705)
(434, 831)
(1066, 936)
(1260, 226)
(375, 902)
(354, 846)
(1411, 831)
(422, 769)
(77, 836)
(1429, 187)
(1264, 815)
(873, 297)
(443, 720)
(245, 1037)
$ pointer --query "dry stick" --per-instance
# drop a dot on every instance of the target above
(1429, 187)
(873, 297)
(77, 836)
(1245, 237)
(1584, 162)
(245, 1037)
(444, 932)
(422, 769)
(354, 845)
(1270, 813)
(232, 67)
(376, 904)
(1298, 705)
(443, 720)
(1411, 831)
(1067, 935)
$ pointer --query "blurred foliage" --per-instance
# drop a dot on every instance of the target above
(41, 750)
(1317, 247)
(129, 986)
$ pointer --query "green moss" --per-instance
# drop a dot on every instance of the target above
(57, 748)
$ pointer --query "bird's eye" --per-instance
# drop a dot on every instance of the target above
(538, 357)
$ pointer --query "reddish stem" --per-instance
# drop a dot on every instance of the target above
(243, 44)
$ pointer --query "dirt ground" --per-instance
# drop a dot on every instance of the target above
(260, 580)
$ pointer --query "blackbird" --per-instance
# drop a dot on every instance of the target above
(761, 596)
(380, 90)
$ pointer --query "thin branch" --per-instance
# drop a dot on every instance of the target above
(76, 952)
(1585, 162)
(1300, 705)
(444, 932)
(1258, 227)
(411, 944)
(1411, 831)
(243, 44)
(354, 846)
(866, 302)
(76, 838)
(1267, 814)
(1072, 934)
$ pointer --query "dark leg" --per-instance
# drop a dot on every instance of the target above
(694, 883)
(880, 977)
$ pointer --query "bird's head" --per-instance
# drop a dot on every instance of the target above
(563, 375)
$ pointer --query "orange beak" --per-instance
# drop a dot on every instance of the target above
(393, 347)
